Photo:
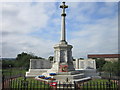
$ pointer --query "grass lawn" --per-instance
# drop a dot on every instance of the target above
(99, 83)
(28, 83)
(12, 72)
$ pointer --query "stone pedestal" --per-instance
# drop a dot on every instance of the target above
(35, 72)
(63, 55)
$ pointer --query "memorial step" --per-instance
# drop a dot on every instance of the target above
(82, 79)
(78, 76)
(63, 77)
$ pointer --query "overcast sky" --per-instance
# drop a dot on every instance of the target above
(92, 28)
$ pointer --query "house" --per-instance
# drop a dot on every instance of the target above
(106, 57)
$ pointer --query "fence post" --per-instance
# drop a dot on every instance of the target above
(3, 78)
(59, 85)
(118, 84)
(44, 84)
(75, 85)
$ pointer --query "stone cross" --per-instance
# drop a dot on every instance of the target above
(63, 36)
(63, 7)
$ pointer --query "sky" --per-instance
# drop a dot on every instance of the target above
(34, 27)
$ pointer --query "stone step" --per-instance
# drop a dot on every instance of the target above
(28, 74)
(82, 79)
(33, 74)
(82, 74)
(71, 80)
(77, 72)
(70, 73)
(78, 76)
(36, 72)
(72, 77)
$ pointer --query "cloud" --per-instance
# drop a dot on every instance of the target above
(19, 21)
(24, 17)
(19, 43)
(96, 38)
(35, 27)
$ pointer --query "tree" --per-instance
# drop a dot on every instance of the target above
(6, 63)
(112, 67)
(108, 66)
(100, 63)
(23, 59)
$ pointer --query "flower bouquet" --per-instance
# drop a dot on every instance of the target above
(52, 74)
(41, 76)
(47, 78)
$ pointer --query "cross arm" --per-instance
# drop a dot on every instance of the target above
(63, 6)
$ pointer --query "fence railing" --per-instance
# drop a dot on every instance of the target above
(13, 76)
(23, 83)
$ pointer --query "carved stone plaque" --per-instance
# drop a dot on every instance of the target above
(62, 56)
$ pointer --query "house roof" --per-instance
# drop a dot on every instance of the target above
(104, 56)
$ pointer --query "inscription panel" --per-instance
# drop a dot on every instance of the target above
(62, 56)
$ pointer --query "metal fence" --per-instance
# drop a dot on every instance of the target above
(31, 84)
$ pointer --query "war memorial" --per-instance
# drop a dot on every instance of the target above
(63, 68)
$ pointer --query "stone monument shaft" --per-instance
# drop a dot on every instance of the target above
(63, 32)
(63, 51)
